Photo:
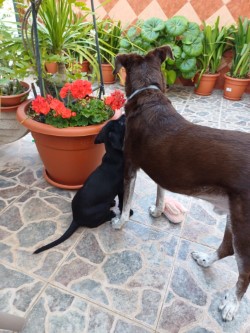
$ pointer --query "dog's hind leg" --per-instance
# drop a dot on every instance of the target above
(240, 216)
(129, 185)
(157, 209)
(224, 250)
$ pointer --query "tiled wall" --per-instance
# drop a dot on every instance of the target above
(129, 11)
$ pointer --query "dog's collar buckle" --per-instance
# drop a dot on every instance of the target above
(142, 89)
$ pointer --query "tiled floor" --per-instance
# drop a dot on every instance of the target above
(141, 279)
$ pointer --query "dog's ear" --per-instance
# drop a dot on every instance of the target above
(100, 138)
(163, 52)
(120, 61)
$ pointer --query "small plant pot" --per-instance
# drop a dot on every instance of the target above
(234, 88)
(13, 100)
(206, 84)
(51, 67)
(85, 66)
(107, 73)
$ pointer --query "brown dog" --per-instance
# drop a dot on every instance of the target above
(182, 157)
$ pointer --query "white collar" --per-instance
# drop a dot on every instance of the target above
(141, 89)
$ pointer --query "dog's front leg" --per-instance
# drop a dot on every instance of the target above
(157, 209)
(129, 185)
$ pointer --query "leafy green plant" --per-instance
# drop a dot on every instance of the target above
(184, 37)
(109, 34)
(241, 47)
(215, 43)
(75, 107)
(15, 62)
(63, 34)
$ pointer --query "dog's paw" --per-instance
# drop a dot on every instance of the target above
(229, 306)
(117, 223)
(154, 211)
(202, 259)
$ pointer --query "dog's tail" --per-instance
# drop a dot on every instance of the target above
(71, 229)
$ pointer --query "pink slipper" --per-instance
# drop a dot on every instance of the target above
(174, 211)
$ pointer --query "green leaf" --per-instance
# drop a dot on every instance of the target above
(171, 76)
(187, 65)
(176, 50)
(124, 43)
(190, 74)
(151, 28)
(176, 25)
(194, 49)
(191, 33)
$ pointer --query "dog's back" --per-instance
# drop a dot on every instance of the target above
(194, 156)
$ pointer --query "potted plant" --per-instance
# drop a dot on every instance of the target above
(214, 45)
(64, 130)
(238, 79)
(109, 34)
(184, 37)
(14, 67)
(65, 37)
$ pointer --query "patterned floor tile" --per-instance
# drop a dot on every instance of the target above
(57, 311)
(142, 258)
(18, 291)
(203, 225)
(202, 290)
(34, 219)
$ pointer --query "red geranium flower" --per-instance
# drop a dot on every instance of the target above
(75, 102)
(66, 113)
(40, 105)
(116, 100)
(65, 90)
(80, 89)
(57, 106)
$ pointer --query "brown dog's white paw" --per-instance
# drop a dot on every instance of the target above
(154, 211)
(203, 259)
(229, 306)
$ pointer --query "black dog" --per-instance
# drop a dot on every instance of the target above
(91, 204)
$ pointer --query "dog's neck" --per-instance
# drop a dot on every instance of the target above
(137, 91)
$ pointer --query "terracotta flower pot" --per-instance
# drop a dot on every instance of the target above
(206, 84)
(85, 66)
(69, 154)
(107, 73)
(51, 67)
(14, 100)
(234, 88)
